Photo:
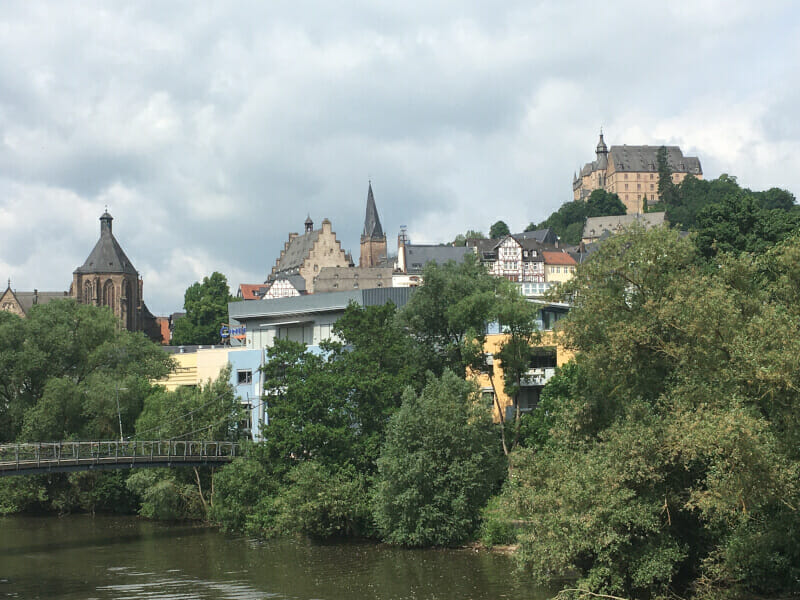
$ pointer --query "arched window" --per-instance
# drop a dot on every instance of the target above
(108, 295)
(87, 292)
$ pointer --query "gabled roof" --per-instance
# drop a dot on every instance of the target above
(595, 226)
(250, 291)
(107, 255)
(417, 256)
(27, 300)
(645, 158)
(557, 258)
(543, 236)
(296, 252)
(372, 223)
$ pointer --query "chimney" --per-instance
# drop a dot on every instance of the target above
(36, 296)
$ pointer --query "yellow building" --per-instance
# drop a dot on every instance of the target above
(550, 354)
(631, 172)
(196, 366)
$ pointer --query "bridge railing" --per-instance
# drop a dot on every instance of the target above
(128, 451)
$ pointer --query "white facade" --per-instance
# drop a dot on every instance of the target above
(516, 263)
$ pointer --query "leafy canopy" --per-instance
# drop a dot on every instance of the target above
(206, 306)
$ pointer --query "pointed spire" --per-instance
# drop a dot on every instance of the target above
(601, 144)
(372, 223)
(309, 224)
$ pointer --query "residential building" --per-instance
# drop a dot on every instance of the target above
(516, 257)
(559, 266)
(548, 355)
(200, 365)
(412, 258)
(251, 291)
(596, 228)
(631, 172)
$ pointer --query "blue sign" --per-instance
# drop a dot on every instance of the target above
(224, 331)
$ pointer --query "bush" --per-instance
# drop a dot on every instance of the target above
(439, 464)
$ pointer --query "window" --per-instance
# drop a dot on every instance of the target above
(244, 377)
(626, 186)
(651, 187)
(638, 186)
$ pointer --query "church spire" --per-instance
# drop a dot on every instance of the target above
(372, 224)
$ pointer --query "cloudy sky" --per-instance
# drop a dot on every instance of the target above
(211, 130)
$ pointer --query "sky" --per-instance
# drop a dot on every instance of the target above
(212, 130)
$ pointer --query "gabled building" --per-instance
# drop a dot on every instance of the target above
(597, 228)
(108, 278)
(304, 255)
(516, 257)
(559, 266)
(631, 172)
(20, 303)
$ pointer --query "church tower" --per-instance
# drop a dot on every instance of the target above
(373, 240)
(108, 278)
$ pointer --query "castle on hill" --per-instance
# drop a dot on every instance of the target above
(631, 172)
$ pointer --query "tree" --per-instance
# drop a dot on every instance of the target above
(333, 408)
(447, 315)
(211, 412)
(438, 466)
(498, 230)
(667, 190)
(471, 234)
(669, 465)
(206, 306)
(601, 203)
(740, 224)
(567, 222)
(517, 318)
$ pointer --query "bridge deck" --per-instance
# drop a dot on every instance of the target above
(32, 458)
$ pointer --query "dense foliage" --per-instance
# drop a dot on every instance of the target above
(206, 306)
(670, 461)
(498, 230)
(567, 222)
(438, 467)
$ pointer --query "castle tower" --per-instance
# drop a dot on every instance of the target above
(373, 240)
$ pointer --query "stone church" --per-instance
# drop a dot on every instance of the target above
(108, 278)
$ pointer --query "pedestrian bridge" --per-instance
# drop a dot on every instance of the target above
(59, 457)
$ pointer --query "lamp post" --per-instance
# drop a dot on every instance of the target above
(119, 413)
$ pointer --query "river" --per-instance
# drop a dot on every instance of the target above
(84, 557)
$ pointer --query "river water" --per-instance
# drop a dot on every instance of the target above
(84, 557)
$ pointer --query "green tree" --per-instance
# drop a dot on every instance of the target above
(206, 306)
(740, 224)
(670, 464)
(667, 190)
(567, 222)
(447, 315)
(517, 317)
(438, 466)
(471, 234)
(210, 412)
(498, 230)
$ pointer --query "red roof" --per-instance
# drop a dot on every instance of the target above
(248, 291)
(558, 258)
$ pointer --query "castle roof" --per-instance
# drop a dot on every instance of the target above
(645, 158)
(107, 255)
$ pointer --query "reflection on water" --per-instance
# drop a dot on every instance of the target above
(80, 557)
